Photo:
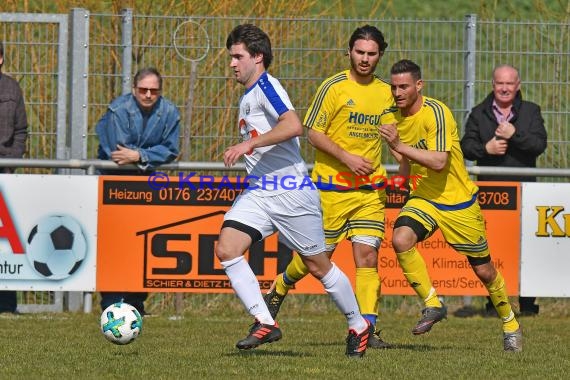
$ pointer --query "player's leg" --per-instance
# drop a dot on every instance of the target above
(295, 271)
(302, 231)
(414, 224)
(495, 284)
(365, 229)
(244, 224)
(338, 287)
(336, 207)
(367, 286)
(464, 230)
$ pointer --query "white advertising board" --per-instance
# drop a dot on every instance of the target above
(48, 232)
(545, 240)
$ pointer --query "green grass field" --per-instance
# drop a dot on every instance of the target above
(200, 345)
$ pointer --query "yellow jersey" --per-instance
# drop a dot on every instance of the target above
(434, 128)
(349, 114)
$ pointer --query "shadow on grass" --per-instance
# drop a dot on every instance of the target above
(262, 353)
(418, 347)
(395, 346)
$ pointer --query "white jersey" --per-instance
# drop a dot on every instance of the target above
(268, 166)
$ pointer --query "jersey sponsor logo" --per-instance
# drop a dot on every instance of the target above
(362, 118)
(350, 103)
(247, 133)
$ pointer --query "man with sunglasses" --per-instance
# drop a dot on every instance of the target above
(140, 128)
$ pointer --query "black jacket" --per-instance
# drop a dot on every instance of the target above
(528, 142)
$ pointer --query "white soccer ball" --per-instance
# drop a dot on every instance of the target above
(121, 323)
(56, 247)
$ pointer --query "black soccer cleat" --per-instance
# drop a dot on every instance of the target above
(260, 334)
(356, 343)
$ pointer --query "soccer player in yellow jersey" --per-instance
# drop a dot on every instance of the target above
(342, 123)
(422, 135)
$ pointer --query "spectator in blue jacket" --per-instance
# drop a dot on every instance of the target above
(140, 128)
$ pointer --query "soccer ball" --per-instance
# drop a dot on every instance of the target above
(121, 323)
(56, 247)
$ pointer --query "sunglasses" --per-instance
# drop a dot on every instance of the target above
(144, 90)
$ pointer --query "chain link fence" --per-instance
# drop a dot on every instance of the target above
(71, 66)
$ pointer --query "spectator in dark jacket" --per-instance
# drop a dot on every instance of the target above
(505, 130)
(13, 134)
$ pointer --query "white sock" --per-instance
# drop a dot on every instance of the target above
(247, 289)
(337, 285)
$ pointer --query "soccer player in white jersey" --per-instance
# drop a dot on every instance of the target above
(270, 128)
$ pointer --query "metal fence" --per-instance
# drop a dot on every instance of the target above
(457, 57)
(71, 66)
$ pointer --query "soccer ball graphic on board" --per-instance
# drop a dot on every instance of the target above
(121, 323)
(56, 247)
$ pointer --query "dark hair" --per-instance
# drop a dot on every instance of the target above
(144, 72)
(1, 49)
(406, 66)
(255, 40)
(368, 32)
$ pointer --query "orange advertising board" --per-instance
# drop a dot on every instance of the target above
(163, 240)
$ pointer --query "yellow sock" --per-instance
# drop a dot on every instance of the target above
(367, 289)
(416, 273)
(295, 271)
(500, 300)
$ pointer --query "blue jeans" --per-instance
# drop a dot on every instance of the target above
(135, 299)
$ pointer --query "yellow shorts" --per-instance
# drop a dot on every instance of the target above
(463, 229)
(351, 213)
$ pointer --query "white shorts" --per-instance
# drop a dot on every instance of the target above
(296, 214)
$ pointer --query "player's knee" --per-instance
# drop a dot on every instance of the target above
(403, 240)
(407, 232)
(483, 268)
(225, 251)
(318, 265)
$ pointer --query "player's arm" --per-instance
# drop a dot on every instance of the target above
(431, 159)
(401, 180)
(403, 162)
(357, 164)
(288, 126)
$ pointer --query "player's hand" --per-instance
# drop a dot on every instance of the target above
(233, 153)
(497, 146)
(357, 164)
(505, 130)
(389, 133)
(124, 156)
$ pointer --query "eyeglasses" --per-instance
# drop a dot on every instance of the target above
(144, 90)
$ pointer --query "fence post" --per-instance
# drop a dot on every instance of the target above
(469, 87)
(62, 56)
(79, 68)
(78, 100)
(469, 66)
(127, 44)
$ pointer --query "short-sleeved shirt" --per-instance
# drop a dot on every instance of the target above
(434, 128)
(349, 114)
(259, 110)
